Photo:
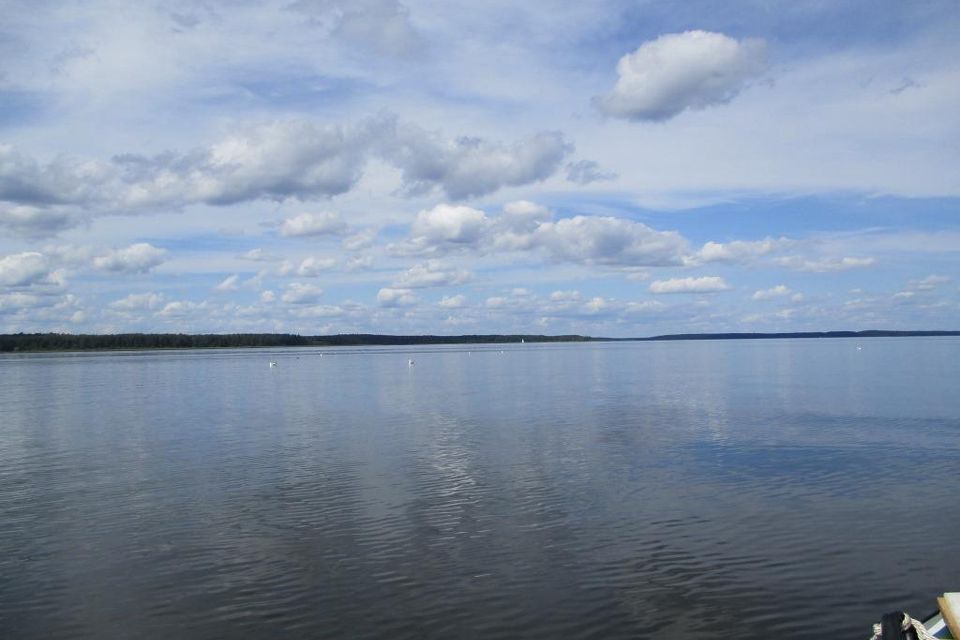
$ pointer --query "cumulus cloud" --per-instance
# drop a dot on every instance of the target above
(391, 297)
(431, 273)
(309, 267)
(285, 159)
(313, 224)
(20, 300)
(300, 293)
(523, 225)
(24, 269)
(277, 160)
(739, 251)
(466, 167)
(445, 227)
(358, 263)
(452, 302)
(778, 291)
(705, 284)
(596, 305)
(313, 266)
(138, 301)
(565, 296)
(137, 258)
(824, 265)
(604, 240)
(181, 308)
(274, 161)
(63, 180)
(31, 221)
(587, 171)
(679, 71)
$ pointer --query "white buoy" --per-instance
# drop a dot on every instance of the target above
(272, 364)
(410, 362)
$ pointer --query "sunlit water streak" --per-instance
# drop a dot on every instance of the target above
(681, 490)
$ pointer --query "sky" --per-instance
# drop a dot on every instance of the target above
(605, 168)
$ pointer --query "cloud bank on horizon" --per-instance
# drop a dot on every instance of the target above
(615, 168)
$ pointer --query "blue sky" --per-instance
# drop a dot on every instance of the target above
(604, 168)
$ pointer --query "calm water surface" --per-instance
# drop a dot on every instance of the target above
(748, 489)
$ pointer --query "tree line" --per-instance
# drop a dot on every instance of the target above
(121, 341)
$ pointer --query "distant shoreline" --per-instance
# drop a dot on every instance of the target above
(40, 342)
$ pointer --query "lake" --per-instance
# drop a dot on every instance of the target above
(748, 489)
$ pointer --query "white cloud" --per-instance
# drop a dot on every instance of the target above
(64, 180)
(596, 305)
(136, 301)
(824, 265)
(19, 301)
(431, 273)
(24, 269)
(705, 284)
(524, 225)
(26, 220)
(258, 255)
(280, 160)
(738, 251)
(679, 71)
(565, 296)
(181, 308)
(360, 240)
(453, 302)
(379, 26)
(467, 167)
(319, 311)
(391, 297)
(274, 161)
(645, 306)
(137, 258)
(359, 263)
(313, 224)
(609, 241)
(447, 226)
(230, 283)
(313, 266)
(778, 291)
(929, 283)
(300, 293)
(587, 171)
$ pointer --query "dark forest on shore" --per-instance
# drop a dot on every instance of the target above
(82, 342)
